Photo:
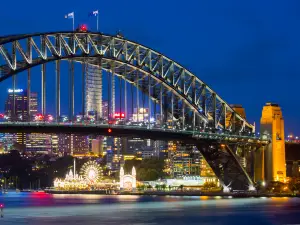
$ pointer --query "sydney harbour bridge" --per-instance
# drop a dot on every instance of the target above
(185, 107)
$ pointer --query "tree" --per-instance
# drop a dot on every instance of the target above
(141, 187)
(147, 170)
(157, 187)
(149, 186)
(294, 185)
(181, 187)
(209, 185)
(277, 187)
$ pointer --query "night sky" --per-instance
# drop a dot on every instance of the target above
(246, 51)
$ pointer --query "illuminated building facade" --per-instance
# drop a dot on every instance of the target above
(93, 91)
(97, 146)
(105, 109)
(80, 144)
(271, 161)
(71, 144)
(205, 169)
(127, 181)
(42, 143)
(21, 105)
(140, 115)
(184, 159)
(19, 113)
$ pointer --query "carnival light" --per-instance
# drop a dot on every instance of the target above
(90, 178)
(91, 172)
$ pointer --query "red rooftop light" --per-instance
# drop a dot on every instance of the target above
(83, 28)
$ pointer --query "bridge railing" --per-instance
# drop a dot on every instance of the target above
(198, 134)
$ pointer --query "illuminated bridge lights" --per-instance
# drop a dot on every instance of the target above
(201, 115)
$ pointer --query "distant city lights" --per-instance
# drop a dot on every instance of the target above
(119, 115)
(15, 90)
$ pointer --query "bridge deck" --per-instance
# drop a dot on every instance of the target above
(125, 130)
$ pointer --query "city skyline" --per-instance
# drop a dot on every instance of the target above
(241, 51)
(139, 112)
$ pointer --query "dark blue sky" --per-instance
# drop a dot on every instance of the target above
(247, 51)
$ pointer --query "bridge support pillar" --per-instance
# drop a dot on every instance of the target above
(272, 128)
(226, 165)
(259, 165)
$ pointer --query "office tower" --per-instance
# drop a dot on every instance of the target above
(93, 91)
(184, 159)
(21, 106)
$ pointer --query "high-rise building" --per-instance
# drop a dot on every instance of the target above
(43, 143)
(93, 91)
(80, 144)
(105, 109)
(184, 159)
(140, 115)
(18, 111)
(71, 144)
(97, 146)
(21, 105)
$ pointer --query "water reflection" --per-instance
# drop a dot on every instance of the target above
(126, 209)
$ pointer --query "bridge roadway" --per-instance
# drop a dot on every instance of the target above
(127, 131)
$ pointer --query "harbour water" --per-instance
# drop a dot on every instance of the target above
(42, 208)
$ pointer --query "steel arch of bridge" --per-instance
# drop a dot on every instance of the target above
(120, 54)
(163, 80)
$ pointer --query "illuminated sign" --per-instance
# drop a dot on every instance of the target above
(50, 117)
(39, 117)
(15, 91)
(143, 110)
(119, 115)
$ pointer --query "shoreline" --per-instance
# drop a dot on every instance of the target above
(188, 194)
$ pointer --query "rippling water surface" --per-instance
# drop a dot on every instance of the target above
(41, 208)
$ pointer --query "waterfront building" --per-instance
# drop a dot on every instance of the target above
(90, 178)
(127, 181)
(188, 182)
(184, 159)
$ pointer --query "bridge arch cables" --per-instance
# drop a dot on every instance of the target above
(172, 89)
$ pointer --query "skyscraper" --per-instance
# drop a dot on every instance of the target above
(184, 159)
(93, 91)
(20, 111)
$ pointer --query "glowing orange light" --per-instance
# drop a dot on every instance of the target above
(109, 130)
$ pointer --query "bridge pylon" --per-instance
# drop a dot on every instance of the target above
(270, 161)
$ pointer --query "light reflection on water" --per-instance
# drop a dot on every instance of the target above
(133, 209)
